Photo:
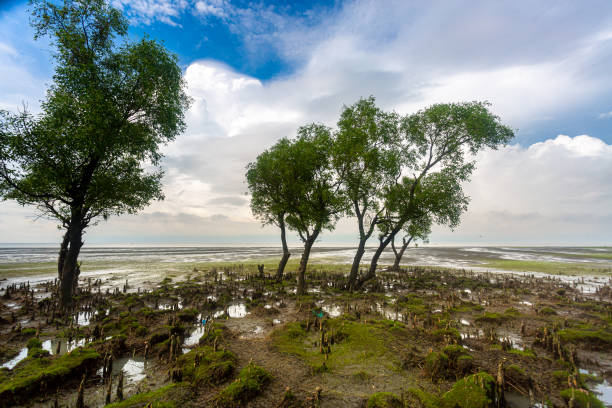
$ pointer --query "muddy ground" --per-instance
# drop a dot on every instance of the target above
(415, 333)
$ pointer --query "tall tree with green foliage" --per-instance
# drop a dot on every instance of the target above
(270, 182)
(94, 150)
(367, 157)
(436, 142)
(318, 203)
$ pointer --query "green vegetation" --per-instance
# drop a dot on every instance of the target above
(213, 367)
(597, 339)
(473, 391)
(250, 383)
(38, 374)
(555, 268)
(582, 398)
(87, 155)
(356, 344)
(384, 400)
(169, 396)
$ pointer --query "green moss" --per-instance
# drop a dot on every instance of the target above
(595, 338)
(423, 398)
(492, 318)
(215, 332)
(451, 334)
(525, 352)
(34, 343)
(250, 383)
(437, 365)
(169, 396)
(26, 332)
(474, 391)
(582, 398)
(34, 374)
(357, 345)
(548, 311)
(215, 367)
(384, 400)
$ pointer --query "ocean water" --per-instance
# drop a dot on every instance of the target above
(141, 264)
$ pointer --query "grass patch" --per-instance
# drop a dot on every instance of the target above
(215, 367)
(384, 400)
(597, 339)
(553, 268)
(356, 344)
(582, 398)
(169, 396)
(250, 383)
(33, 375)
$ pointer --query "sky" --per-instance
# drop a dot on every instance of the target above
(258, 70)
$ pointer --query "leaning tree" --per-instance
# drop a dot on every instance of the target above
(94, 150)
(438, 143)
(366, 156)
(317, 204)
(273, 191)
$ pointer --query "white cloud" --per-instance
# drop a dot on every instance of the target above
(217, 8)
(605, 115)
(408, 56)
(147, 11)
(556, 191)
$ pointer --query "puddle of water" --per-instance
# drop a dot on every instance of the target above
(194, 336)
(516, 400)
(50, 346)
(332, 310)
(23, 353)
(465, 322)
(133, 369)
(235, 311)
(603, 390)
(526, 303)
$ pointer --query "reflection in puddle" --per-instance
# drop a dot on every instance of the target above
(50, 346)
(603, 389)
(194, 337)
(23, 353)
(235, 311)
(133, 369)
(332, 310)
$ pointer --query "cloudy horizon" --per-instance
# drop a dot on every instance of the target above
(257, 71)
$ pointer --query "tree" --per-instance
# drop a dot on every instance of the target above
(318, 203)
(417, 229)
(367, 158)
(436, 141)
(270, 183)
(93, 152)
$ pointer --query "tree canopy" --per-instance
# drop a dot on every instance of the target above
(94, 151)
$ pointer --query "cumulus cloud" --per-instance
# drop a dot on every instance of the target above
(409, 56)
(148, 11)
(556, 191)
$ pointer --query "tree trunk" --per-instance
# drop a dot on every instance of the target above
(399, 254)
(286, 253)
(363, 238)
(301, 287)
(352, 279)
(374, 263)
(70, 266)
(62, 253)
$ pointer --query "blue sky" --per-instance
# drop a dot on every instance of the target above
(258, 70)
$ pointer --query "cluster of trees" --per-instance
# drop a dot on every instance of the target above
(394, 175)
(94, 150)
